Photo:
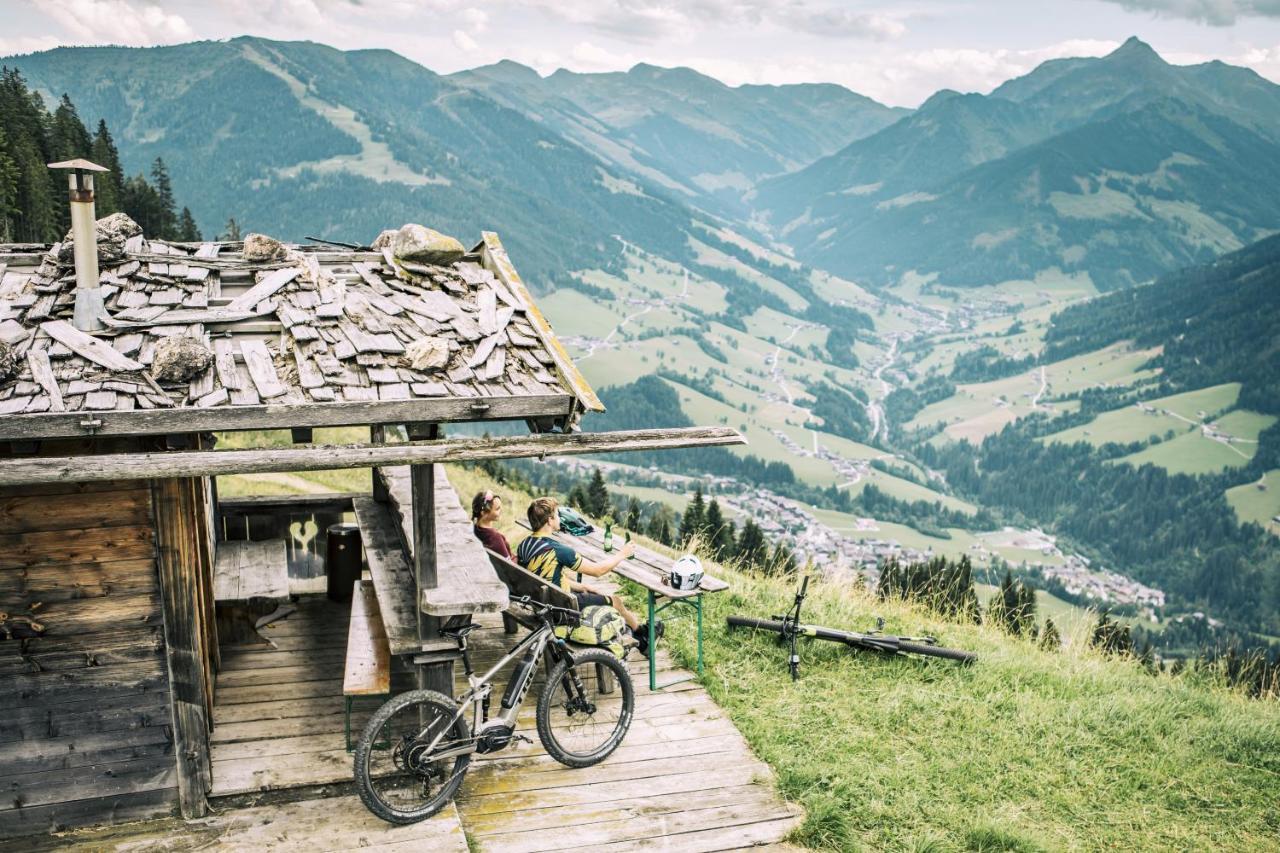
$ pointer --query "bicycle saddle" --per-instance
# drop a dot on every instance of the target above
(457, 634)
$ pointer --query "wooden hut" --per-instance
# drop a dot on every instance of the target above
(118, 562)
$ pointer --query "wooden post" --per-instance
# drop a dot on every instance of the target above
(378, 435)
(438, 675)
(177, 519)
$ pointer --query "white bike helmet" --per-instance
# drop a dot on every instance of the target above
(686, 574)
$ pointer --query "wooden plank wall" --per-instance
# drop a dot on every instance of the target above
(184, 563)
(86, 727)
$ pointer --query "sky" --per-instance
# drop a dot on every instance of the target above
(896, 52)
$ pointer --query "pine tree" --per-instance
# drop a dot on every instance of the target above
(693, 521)
(752, 549)
(1013, 606)
(35, 212)
(141, 203)
(231, 231)
(1110, 636)
(715, 530)
(597, 495)
(578, 498)
(168, 225)
(109, 185)
(782, 562)
(633, 515)
(1050, 637)
(8, 190)
(68, 138)
(187, 230)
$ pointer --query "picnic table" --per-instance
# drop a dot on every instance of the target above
(650, 570)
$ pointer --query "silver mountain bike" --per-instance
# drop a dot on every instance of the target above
(414, 751)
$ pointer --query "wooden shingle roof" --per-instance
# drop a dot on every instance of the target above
(318, 337)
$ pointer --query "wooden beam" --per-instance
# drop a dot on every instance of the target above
(495, 259)
(437, 675)
(281, 416)
(178, 563)
(192, 463)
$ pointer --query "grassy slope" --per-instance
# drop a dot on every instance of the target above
(1026, 750)
(1258, 505)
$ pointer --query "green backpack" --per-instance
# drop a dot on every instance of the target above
(598, 625)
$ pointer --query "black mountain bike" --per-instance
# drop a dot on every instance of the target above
(415, 750)
(789, 628)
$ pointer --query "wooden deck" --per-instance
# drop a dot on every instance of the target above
(683, 779)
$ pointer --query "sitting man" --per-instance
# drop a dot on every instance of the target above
(554, 561)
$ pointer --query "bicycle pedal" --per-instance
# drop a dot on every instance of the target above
(523, 738)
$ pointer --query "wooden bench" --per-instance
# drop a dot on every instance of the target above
(368, 671)
(394, 585)
(250, 579)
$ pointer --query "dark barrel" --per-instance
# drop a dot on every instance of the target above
(342, 560)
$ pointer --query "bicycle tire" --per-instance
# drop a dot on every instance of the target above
(937, 652)
(582, 659)
(372, 800)
(749, 622)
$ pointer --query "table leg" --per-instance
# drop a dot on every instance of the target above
(697, 604)
(653, 639)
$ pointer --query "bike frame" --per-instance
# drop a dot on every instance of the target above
(482, 688)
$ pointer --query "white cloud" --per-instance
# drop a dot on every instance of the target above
(902, 77)
(665, 20)
(464, 42)
(1217, 13)
(15, 45)
(475, 19)
(117, 22)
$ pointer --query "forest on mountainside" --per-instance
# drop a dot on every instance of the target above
(33, 206)
(1216, 323)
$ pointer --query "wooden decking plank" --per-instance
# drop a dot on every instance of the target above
(260, 693)
(572, 796)
(274, 747)
(494, 826)
(246, 775)
(268, 729)
(324, 824)
(669, 831)
(712, 840)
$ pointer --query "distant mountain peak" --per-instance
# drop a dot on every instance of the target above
(1133, 49)
(939, 97)
(508, 69)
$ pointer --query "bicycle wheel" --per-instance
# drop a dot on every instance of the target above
(578, 723)
(748, 622)
(397, 779)
(937, 652)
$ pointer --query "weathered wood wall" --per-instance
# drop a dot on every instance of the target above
(86, 730)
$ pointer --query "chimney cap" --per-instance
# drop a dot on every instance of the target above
(80, 165)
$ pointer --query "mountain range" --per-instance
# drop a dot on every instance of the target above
(1120, 167)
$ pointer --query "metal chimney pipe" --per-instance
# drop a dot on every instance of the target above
(89, 307)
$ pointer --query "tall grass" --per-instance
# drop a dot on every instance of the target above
(1026, 750)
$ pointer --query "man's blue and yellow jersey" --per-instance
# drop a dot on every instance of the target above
(548, 559)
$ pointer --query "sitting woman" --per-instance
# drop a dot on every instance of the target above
(486, 508)
(555, 561)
